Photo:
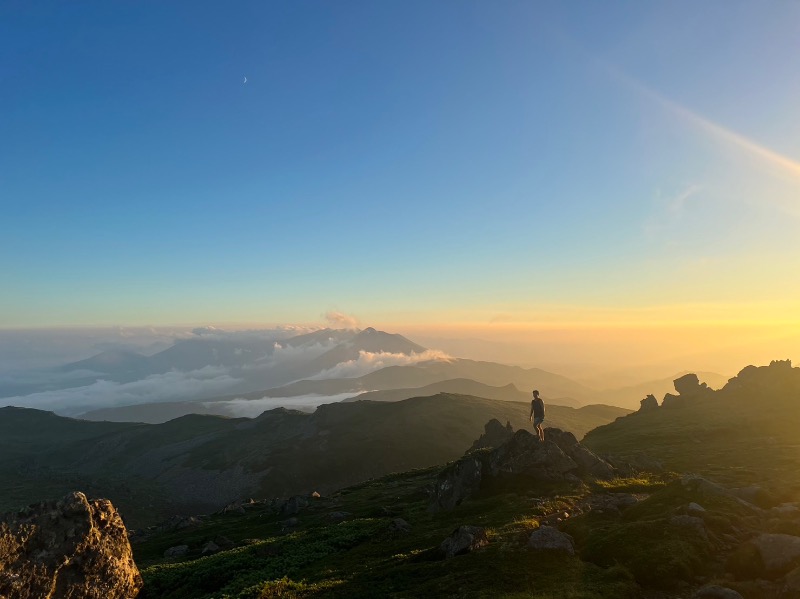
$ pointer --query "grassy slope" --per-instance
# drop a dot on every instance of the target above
(362, 557)
(739, 437)
(150, 471)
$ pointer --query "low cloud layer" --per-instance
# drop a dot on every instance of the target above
(370, 361)
(170, 386)
(250, 408)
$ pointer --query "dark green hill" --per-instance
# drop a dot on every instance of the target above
(197, 463)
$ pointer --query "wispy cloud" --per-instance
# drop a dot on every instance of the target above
(758, 155)
(670, 209)
(370, 361)
(340, 320)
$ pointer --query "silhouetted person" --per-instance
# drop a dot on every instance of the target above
(537, 414)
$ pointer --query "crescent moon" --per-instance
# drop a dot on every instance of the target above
(245, 80)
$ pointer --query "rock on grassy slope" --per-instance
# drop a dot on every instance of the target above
(521, 531)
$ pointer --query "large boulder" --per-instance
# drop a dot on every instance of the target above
(463, 540)
(73, 548)
(778, 552)
(588, 463)
(457, 482)
(547, 538)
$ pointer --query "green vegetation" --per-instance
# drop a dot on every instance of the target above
(364, 557)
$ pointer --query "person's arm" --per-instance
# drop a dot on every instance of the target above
(531, 416)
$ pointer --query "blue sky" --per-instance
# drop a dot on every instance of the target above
(414, 162)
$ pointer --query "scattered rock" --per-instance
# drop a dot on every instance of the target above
(73, 547)
(786, 510)
(749, 494)
(792, 583)
(547, 538)
(177, 551)
(233, 508)
(315, 495)
(611, 502)
(224, 542)
(290, 522)
(779, 553)
(294, 504)
(210, 548)
(695, 509)
(339, 516)
(716, 592)
(692, 523)
(399, 525)
(703, 488)
(463, 540)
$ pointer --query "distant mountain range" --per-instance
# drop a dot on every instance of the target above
(203, 373)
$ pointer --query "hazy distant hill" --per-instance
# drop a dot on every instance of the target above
(198, 463)
(749, 427)
(629, 397)
(463, 387)
(435, 371)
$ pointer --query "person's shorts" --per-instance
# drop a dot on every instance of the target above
(537, 421)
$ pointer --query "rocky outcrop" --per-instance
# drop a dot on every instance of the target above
(457, 482)
(495, 435)
(648, 403)
(72, 548)
(559, 457)
(588, 463)
(463, 540)
(688, 387)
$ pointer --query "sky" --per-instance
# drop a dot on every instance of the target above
(618, 180)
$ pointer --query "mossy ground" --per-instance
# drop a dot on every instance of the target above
(363, 557)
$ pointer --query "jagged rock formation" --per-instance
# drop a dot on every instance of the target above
(560, 457)
(688, 387)
(495, 434)
(649, 403)
(73, 548)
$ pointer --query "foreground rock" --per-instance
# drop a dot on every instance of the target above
(67, 549)
(463, 540)
(547, 538)
(560, 457)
